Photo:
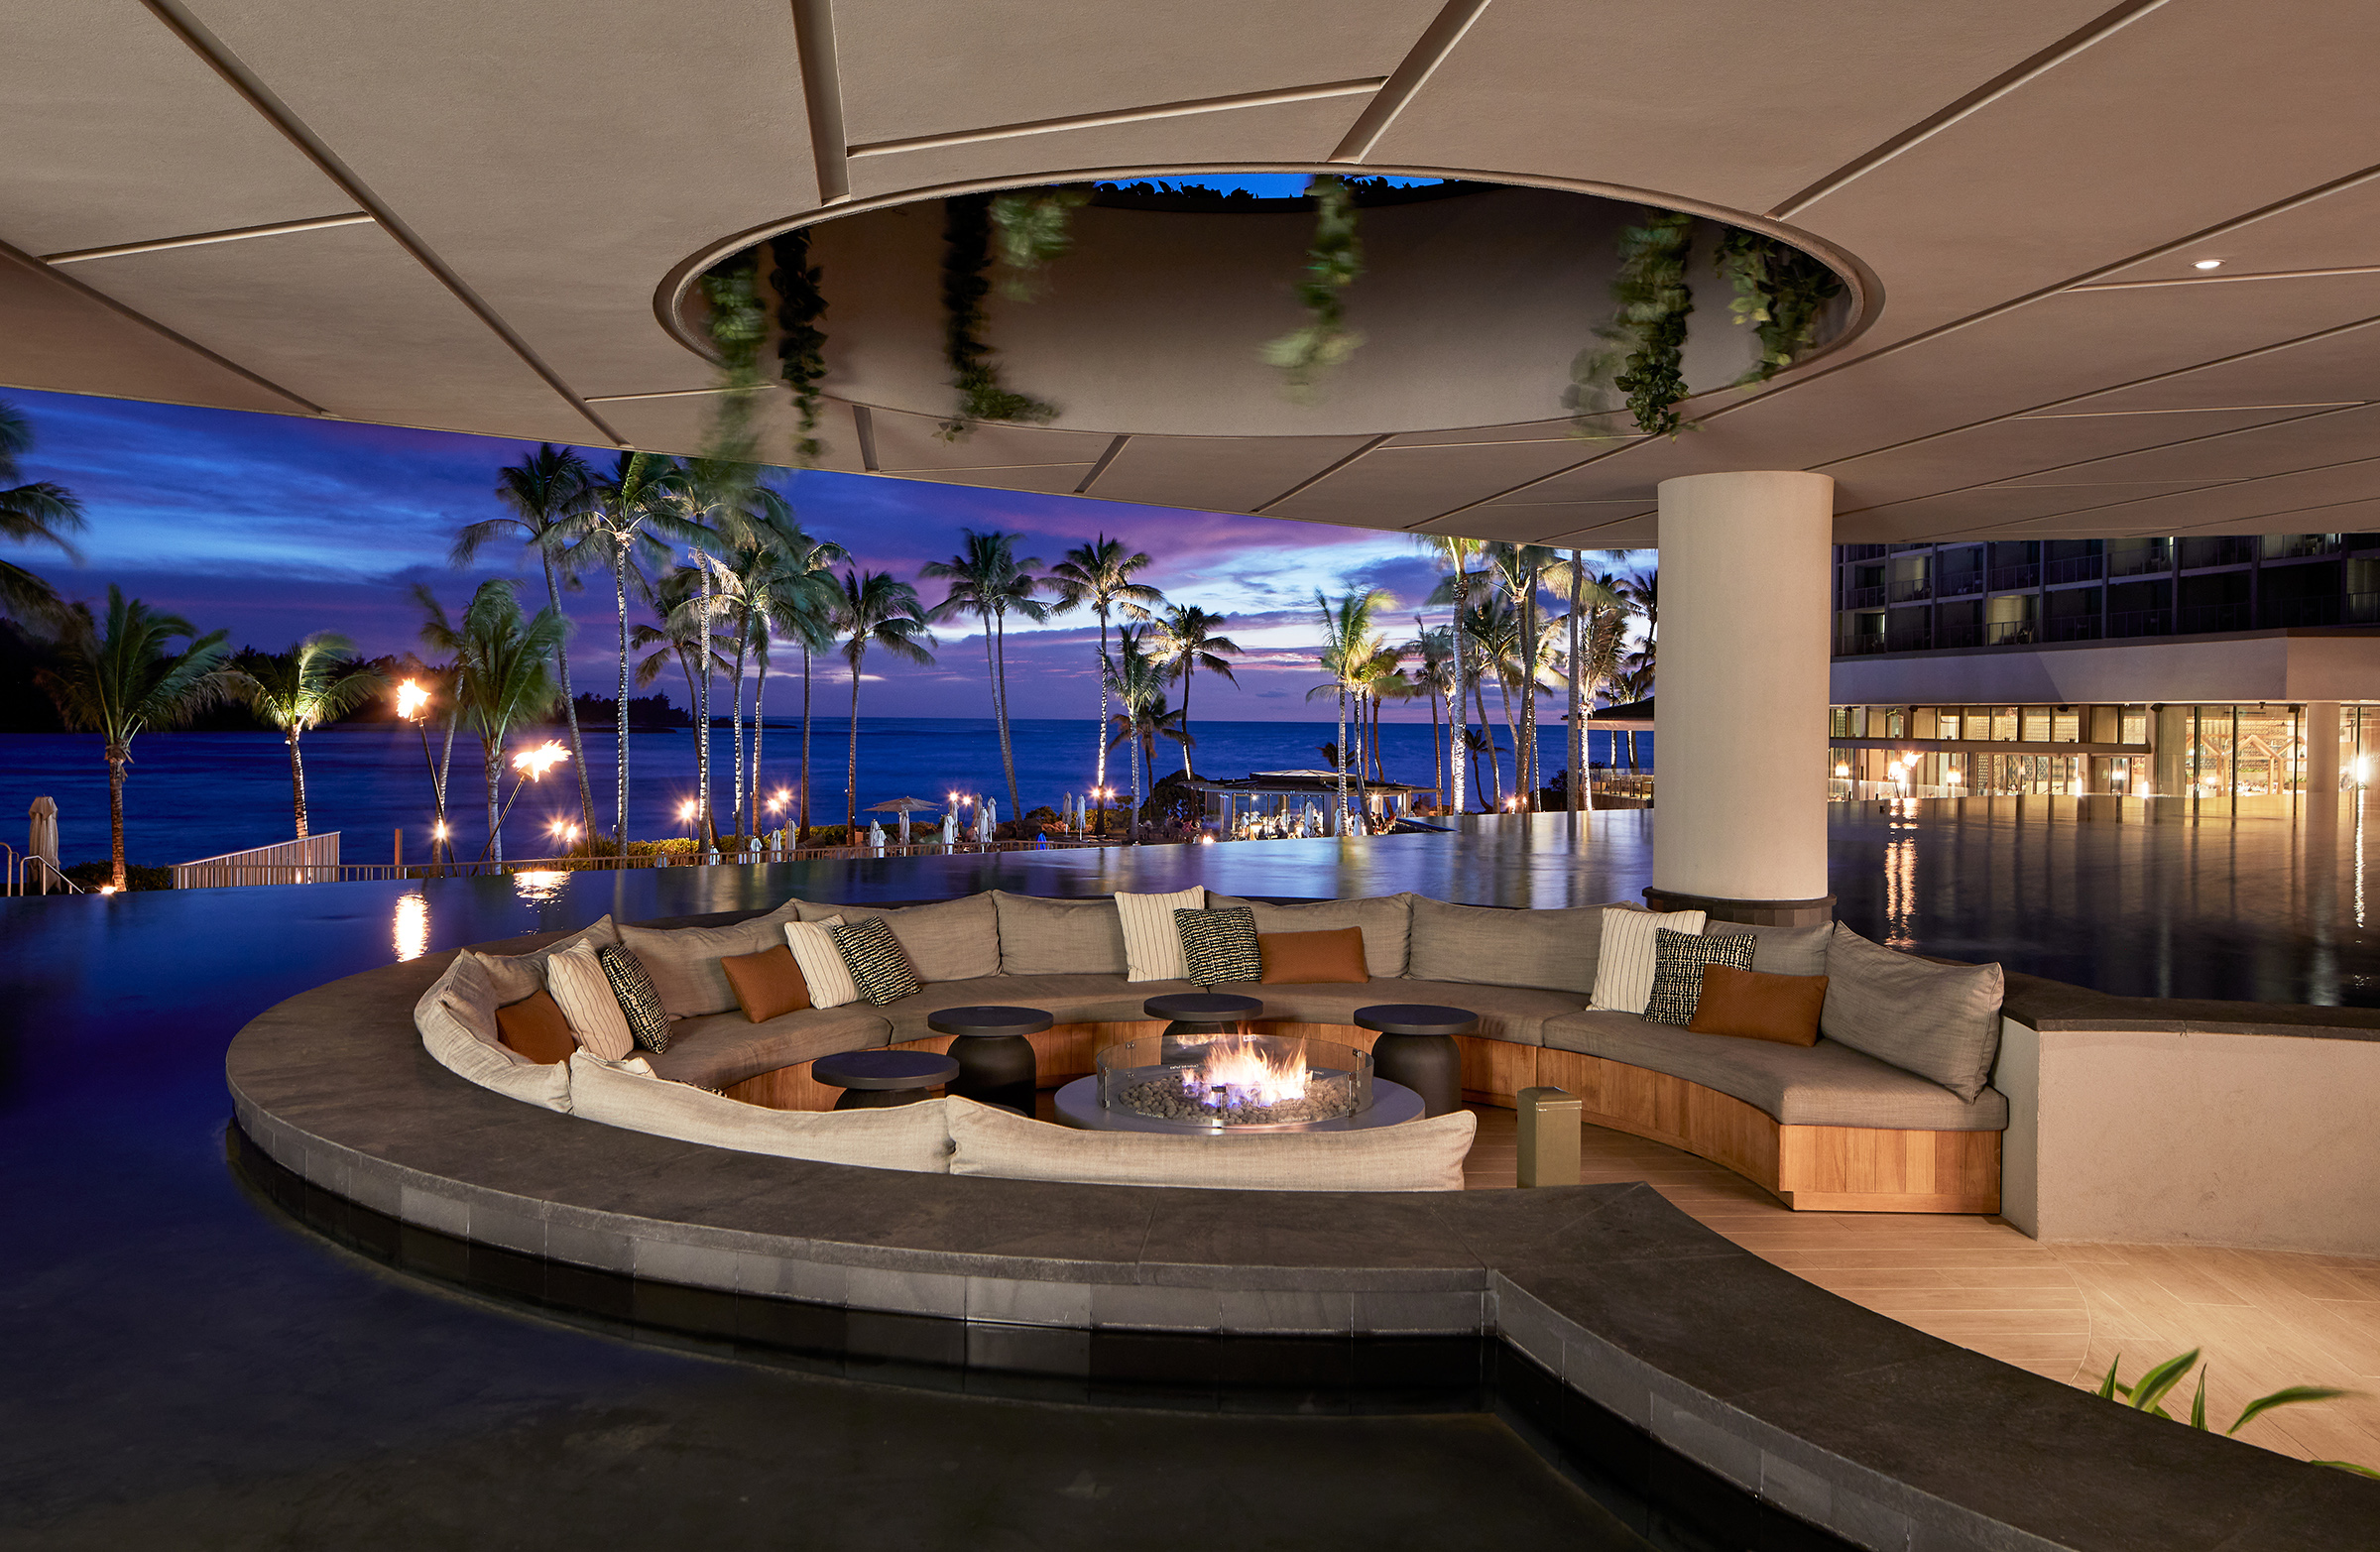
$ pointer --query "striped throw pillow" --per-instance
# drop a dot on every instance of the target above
(1220, 945)
(647, 1020)
(584, 994)
(874, 956)
(1152, 945)
(1624, 965)
(1678, 961)
(821, 966)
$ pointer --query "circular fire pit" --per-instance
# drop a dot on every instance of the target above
(1233, 1083)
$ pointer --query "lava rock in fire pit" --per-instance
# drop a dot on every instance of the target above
(1173, 1097)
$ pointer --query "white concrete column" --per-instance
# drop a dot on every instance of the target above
(2321, 750)
(1740, 805)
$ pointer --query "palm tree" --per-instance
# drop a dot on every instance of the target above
(1139, 680)
(41, 512)
(440, 635)
(1518, 569)
(988, 582)
(508, 679)
(1099, 575)
(751, 537)
(315, 681)
(631, 513)
(806, 599)
(1457, 556)
(548, 492)
(122, 680)
(876, 609)
(681, 636)
(1187, 642)
(1347, 644)
(1488, 630)
(1595, 608)
(1433, 649)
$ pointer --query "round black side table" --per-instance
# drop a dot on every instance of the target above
(995, 1061)
(873, 1080)
(1198, 1016)
(1416, 1048)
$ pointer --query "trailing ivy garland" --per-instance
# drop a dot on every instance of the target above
(1033, 232)
(1647, 334)
(966, 255)
(1334, 261)
(1780, 291)
(737, 328)
(800, 343)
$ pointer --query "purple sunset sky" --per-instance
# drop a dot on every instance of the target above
(273, 526)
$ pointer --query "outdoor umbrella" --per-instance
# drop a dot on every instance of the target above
(876, 836)
(950, 830)
(903, 806)
(40, 838)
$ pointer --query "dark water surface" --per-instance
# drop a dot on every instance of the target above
(188, 1367)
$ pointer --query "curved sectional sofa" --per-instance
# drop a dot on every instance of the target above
(1831, 1126)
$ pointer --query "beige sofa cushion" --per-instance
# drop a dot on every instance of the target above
(1940, 1021)
(513, 977)
(1517, 1013)
(456, 1019)
(719, 1049)
(683, 962)
(1780, 951)
(1387, 921)
(1419, 1156)
(1153, 943)
(915, 1137)
(1553, 949)
(948, 940)
(1082, 998)
(1058, 937)
(1822, 1085)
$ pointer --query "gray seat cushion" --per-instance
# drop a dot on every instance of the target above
(1506, 1012)
(719, 1049)
(1822, 1085)
(1474, 945)
(1940, 1021)
(1058, 937)
(948, 940)
(1387, 921)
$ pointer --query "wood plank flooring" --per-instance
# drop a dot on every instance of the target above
(2265, 1319)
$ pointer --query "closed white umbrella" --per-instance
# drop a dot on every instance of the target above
(40, 836)
(950, 829)
(876, 837)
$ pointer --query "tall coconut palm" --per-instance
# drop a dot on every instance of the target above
(1187, 642)
(807, 598)
(549, 492)
(508, 681)
(1139, 680)
(1459, 557)
(1488, 632)
(876, 609)
(751, 538)
(1098, 577)
(1347, 644)
(790, 590)
(633, 514)
(1433, 677)
(1518, 569)
(317, 681)
(41, 511)
(439, 635)
(1590, 624)
(988, 582)
(121, 679)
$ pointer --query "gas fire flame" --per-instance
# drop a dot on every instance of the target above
(1246, 1075)
(535, 762)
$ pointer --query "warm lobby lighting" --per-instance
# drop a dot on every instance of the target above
(1843, 770)
(2208, 264)
(1954, 778)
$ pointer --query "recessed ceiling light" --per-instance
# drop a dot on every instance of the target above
(2208, 264)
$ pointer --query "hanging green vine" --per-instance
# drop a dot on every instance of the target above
(800, 343)
(1334, 261)
(1645, 342)
(737, 328)
(1780, 291)
(966, 255)
(1032, 231)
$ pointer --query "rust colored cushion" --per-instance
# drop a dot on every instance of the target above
(1308, 958)
(535, 1027)
(768, 983)
(1758, 1006)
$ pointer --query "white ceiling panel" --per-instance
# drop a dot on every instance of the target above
(678, 424)
(2335, 230)
(1047, 479)
(912, 443)
(2339, 366)
(54, 335)
(2324, 438)
(1218, 473)
(1397, 487)
(2239, 506)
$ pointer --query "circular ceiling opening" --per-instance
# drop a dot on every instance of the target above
(1235, 305)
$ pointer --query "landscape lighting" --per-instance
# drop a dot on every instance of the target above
(410, 698)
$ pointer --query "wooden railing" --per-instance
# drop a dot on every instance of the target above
(308, 859)
(253, 868)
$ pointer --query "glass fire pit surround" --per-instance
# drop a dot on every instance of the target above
(1235, 1082)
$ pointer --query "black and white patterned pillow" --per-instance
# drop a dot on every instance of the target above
(647, 1022)
(874, 956)
(1220, 945)
(1678, 961)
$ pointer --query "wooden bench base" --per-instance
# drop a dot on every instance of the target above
(1833, 1170)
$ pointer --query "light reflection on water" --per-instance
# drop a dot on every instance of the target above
(540, 883)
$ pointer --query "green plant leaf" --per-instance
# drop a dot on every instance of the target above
(2197, 1404)
(2287, 1397)
(2360, 1471)
(2108, 1388)
(2151, 1387)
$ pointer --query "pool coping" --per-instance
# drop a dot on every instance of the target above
(1879, 1433)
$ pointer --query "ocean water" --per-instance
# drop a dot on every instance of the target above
(201, 794)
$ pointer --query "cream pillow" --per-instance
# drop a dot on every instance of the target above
(1623, 968)
(1153, 944)
(583, 992)
(822, 967)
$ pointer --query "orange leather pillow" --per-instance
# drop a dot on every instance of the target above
(768, 983)
(535, 1027)
(1759, 1006)
(1310, 957)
